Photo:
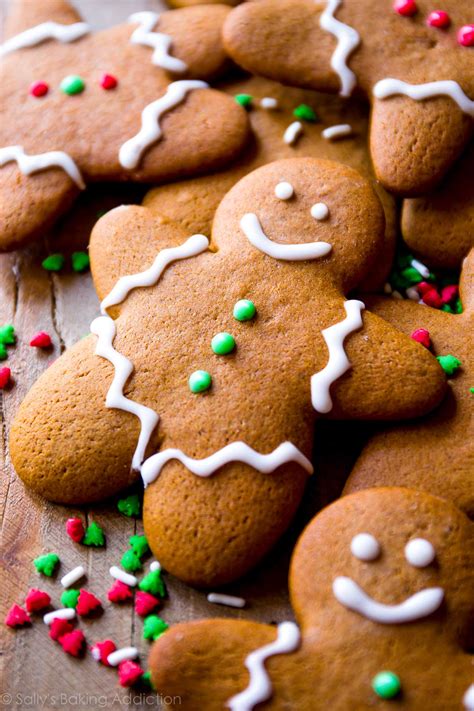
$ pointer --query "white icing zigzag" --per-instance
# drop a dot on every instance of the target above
(390, 87)
(252, 229)
(347, 40)
(158, 41)
(131, 152)
(234, 452)
(338, 361)
(260, 687)
(34, 163)
(45, 31)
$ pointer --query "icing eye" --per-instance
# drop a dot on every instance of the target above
(320, 211)
(284, 191)
(419, 552)
(365, 547)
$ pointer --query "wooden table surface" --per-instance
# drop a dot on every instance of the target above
(35, 672)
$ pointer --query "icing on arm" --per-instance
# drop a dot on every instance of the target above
(40, 33)
(158, 41)
(132, 150)
(338, 361)
(41, 161)
(252, 229)
(390, 87)
(260, 687)
(347, 40)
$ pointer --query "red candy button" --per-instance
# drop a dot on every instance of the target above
(466, 36)
(407, 8)
(5, 375)
(41, 340)
(39, 88)
(421, 335)
(108, 82)
(438, 18)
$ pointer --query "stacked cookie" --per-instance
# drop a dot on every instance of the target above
(234, 316)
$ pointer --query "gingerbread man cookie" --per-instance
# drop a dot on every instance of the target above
(435, 454)
(382, 584)
(418, 76)
(210, 379)
(190, 3)
(127, 103)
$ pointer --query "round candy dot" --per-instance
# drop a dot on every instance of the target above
(223, 343)
(319, 211)
(365, 546)
(199, 381)
(419, 552)
(466, 36)
(108, 81)
(438, 18)
(407, 8)
(72, 84)
(39, 88)
(284, 191)
(244, 310)
(386, 684)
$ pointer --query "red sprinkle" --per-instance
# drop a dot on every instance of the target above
(5, 376)
(407, 8)
(108, 82)
(466, 36)
(421, 335)
(87, 602)
(39, 88)
(17, 617)
(58, 628)
(37, 600)
(439, 19)
(423, 287)
(449, 293)
(73, 642)
(41, 340)
(129, 673)
(432, 298)
(75, 529)
(145, 603)
(119, 592)
(101, 650)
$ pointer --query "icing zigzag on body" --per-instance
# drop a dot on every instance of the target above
(160, 42)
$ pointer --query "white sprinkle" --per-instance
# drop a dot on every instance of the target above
(422, 302)
(268, 102)
(396, 294)
(121, 655)
(284, 190)
(387, 289)
(96, 654)
(229, 600)
(66, 613)
(412, 293)
(320, 211)
(338, 131)
(424, 271)
(155, 565)
(73, 576)
(292, 132)
(124, 577)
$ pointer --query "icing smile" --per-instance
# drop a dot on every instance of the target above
(415, 607)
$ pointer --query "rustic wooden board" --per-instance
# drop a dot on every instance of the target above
(35, 671)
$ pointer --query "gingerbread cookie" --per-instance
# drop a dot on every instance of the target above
(273, 109)
(440, 227)
(190, 3)
(382, 584)
(127, 103)
(418, 76)
(235, 347)
(435, 454)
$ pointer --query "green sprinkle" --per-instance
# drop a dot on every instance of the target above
(94, 535)
(69, 598)
(3, 352)
(223, 343)
(244, 310)
(243, 99)
(471, 390)
(146, 680)
(53, 263)
(72, 84)
(305, 113)
(80, 261)
(458, 306)
(449, 363)
(153, 627)
(7, 334)
(139, 545)
(153, 583)
(447, 308)
(386, 684)
(130, 506)
(130, 561)
(412, 275)
(199, 381)
(46, 564)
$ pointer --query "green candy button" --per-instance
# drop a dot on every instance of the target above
(386, 684)
(305, 113)
(72, 84)
(223, 343)
(243, 99)
(199, 381)
(244, 310)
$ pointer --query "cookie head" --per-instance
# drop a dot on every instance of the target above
(304, 209)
